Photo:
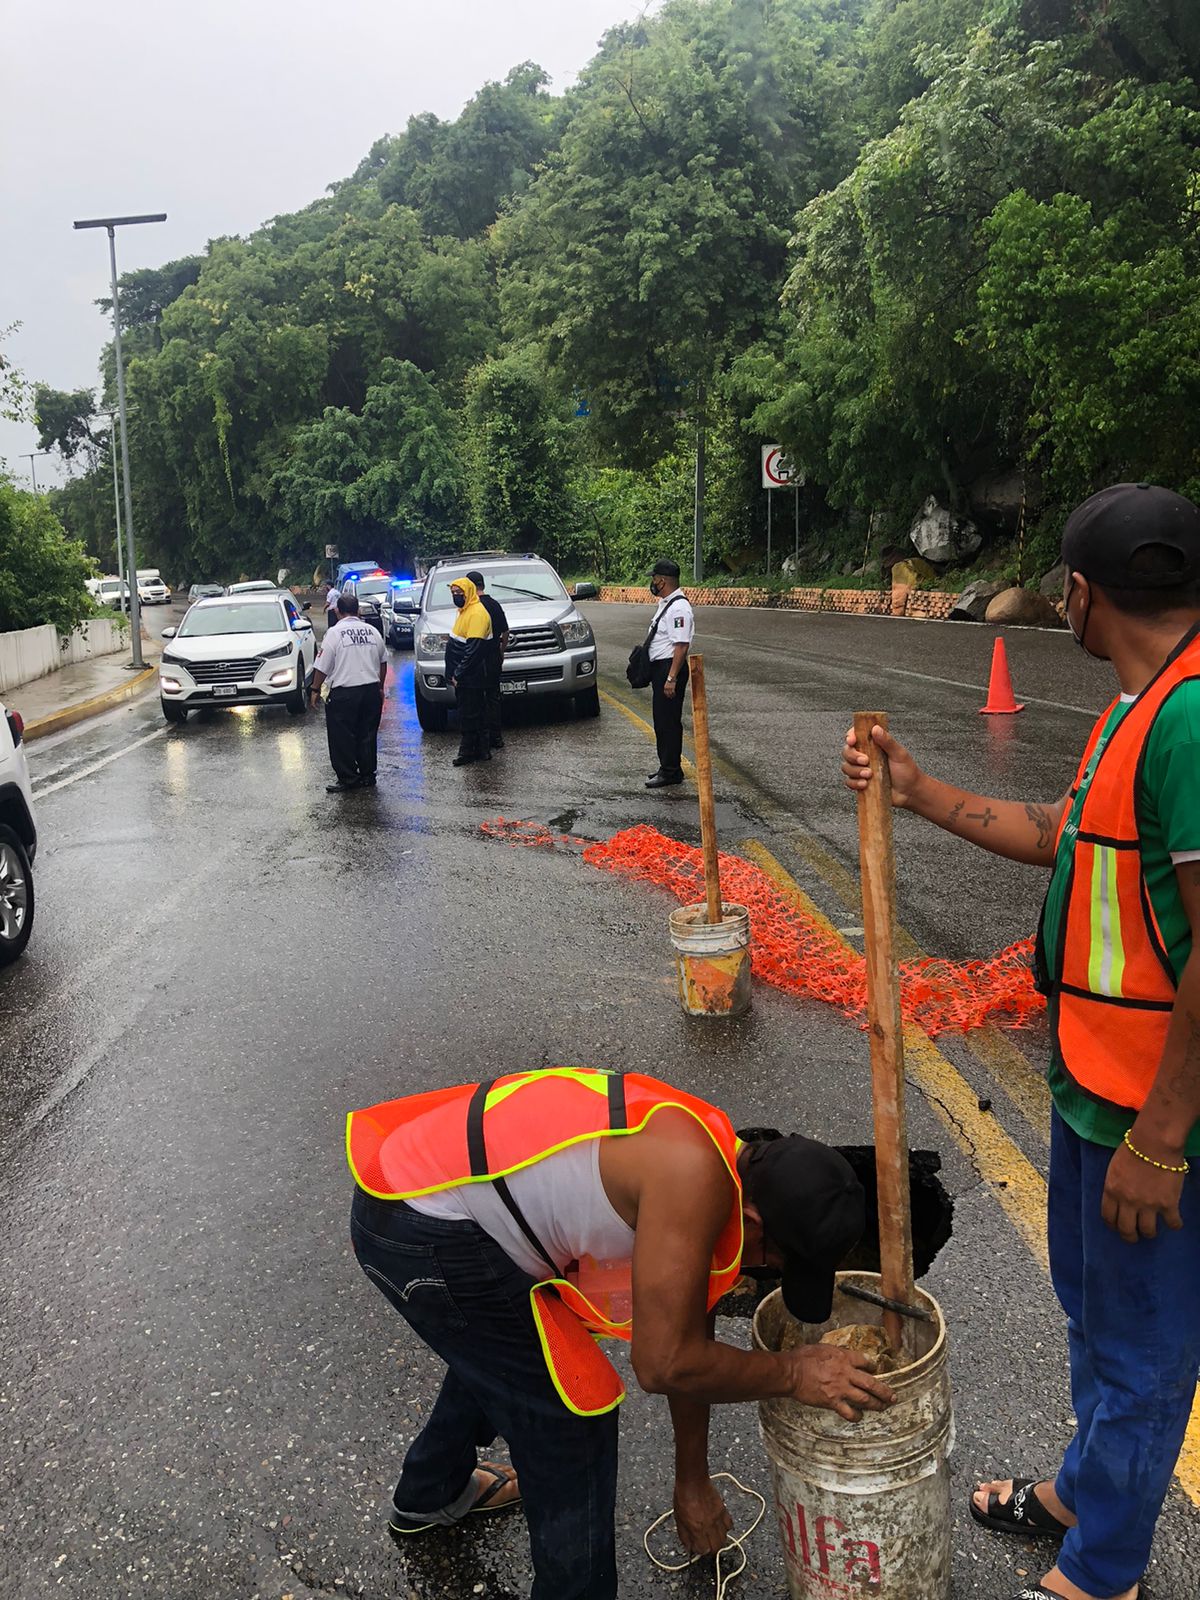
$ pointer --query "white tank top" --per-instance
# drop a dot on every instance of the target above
(563, 1199)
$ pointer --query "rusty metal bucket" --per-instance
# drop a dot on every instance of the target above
(864, 1507)
(712, 960)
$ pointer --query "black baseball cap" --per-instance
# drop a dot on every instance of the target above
(665, 569)
(813, 1209)
(1104, 535)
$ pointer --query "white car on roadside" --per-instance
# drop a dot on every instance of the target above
(242, 650)
(18, 839)
(152, 591)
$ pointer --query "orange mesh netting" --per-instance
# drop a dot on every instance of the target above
(793, 951)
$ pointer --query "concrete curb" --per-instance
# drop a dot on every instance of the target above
(82, 709)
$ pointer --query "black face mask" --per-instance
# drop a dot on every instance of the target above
(460, 600)
(1080, 638)
(654, 587)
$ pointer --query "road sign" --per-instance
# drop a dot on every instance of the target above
(331, 552)
(777, 470)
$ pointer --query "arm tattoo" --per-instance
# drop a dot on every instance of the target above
(984, 817)
(1044, 823)
(955, 813)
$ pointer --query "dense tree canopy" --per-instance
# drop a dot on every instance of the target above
(918, 242)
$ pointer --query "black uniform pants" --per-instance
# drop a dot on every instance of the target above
(491, 690)
(331, 617)
(352, 727)
(471, 694)
(668, 717)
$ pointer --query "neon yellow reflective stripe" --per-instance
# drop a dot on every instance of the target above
(1106, 958)
(590, 1080)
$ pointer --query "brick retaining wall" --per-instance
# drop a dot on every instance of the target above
(928, 603)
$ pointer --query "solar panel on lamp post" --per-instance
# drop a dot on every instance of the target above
(111, 224)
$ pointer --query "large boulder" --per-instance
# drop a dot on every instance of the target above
(914, 572)
(941, 535)
(1052, 584)
(972, 603)
(995, 498)
(1023, 608)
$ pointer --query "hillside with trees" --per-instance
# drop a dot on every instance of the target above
(943, 248)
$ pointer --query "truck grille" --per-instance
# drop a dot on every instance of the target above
(242, 671)
(545, 641)
(537, 675)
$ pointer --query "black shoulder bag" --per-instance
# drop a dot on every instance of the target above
(638, 670)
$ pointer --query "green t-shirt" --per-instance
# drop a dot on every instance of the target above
(1170, 817)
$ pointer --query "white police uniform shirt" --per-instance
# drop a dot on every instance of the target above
(675, 626)
(352, 652)
(331, 599)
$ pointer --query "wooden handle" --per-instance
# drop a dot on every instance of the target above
(708, 815)
(877, 862)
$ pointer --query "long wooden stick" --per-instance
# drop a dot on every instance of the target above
(708, 814)
(877, 861)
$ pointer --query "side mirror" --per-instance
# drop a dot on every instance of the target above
(169, 633)
(307, 606)
(584, 591)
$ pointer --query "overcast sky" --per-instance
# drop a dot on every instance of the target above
(222, 113)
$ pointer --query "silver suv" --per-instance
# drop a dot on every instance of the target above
(551, 650)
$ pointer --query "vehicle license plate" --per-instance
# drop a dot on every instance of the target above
(513, 686)
(228, 689)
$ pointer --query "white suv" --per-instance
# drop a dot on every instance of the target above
(18, 840)
(241, 650)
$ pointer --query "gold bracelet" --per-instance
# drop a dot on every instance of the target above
(1162, 1167)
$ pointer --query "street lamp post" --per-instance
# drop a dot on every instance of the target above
(111, 224)
(30, 456)
(112, 450)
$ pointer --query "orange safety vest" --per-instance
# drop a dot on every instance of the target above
(482, 1133)
(1115, 985)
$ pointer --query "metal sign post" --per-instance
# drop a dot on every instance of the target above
(778, 473)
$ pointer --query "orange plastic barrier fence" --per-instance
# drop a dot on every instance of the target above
(793, 952)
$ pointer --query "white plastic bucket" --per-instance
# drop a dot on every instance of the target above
(864, 1507)
(712, 960)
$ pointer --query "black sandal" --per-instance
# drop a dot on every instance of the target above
(480, 1506)
(1021, 1513)
(1037, 1592)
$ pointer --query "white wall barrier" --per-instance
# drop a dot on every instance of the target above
(33, 652)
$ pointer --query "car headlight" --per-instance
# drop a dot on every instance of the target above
(432, 644)
(168, 660)
(283, 650)
(577, 632)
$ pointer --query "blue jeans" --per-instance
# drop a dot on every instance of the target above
(462, 1295)
(1133, 1325)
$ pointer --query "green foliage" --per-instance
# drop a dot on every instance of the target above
(14, 391)
(65, 422)
(42, 573)
(388, 479)
(517, 453)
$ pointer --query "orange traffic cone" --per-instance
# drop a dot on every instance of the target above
(1000, 700)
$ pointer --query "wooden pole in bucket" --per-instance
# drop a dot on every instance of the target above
(708, 815)
(877, 864)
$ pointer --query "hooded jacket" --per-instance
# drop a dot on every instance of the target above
(465, 648)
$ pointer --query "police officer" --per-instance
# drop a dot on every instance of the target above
(353, 660)
(331, 600)
(674, 624)
(493, 661)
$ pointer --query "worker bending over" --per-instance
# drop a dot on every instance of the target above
(509, 1221)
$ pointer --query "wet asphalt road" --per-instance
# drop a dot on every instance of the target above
(201, 1395)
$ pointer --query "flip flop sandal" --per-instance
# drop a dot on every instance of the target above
(1038, 1592)
(501, 1476)
(1022, 1513)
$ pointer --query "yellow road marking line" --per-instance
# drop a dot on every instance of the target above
(640, 722)
(1014, 1180)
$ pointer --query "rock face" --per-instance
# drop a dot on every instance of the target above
(914, 572)
(1023, 608)
(973, 601)
(940, 535)
(1052, 584)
